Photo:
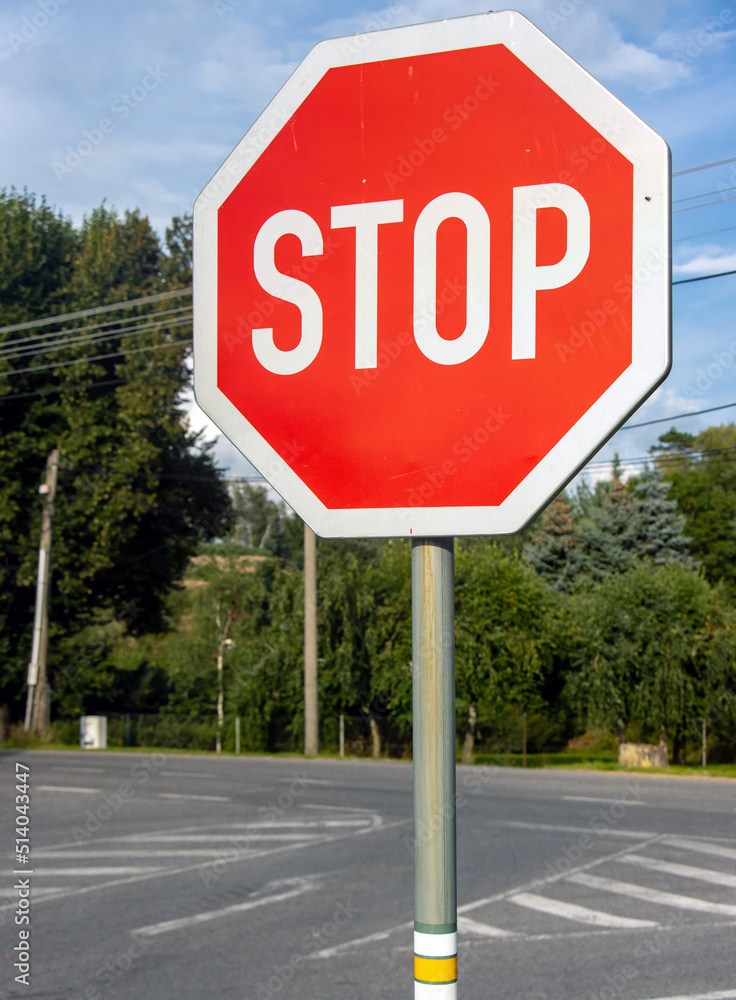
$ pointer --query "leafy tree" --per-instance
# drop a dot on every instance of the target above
(503, 630)
(653, 645)
(259, 522)
(701, 470)
(136, 491)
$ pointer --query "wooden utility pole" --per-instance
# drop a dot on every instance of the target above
(38, 700)
(311, 704)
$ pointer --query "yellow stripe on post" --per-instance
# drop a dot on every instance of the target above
(435, 970)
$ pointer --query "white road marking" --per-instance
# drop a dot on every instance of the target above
(195, 798)
(127, 853)
(312, 781)
(36, 894)
(485, 901)
(337, 949)
(62, 872)
(189, 774)
(685, 871)
(651, 895)
(717, 995)
(231, 838)
(72, 767)
(65, 788)
(581, 914)
(586, 798)
(627, 834)
(312, 824)
(701, 846)
(376, 824)
(347, 809)
(298, 887)
(469, 926)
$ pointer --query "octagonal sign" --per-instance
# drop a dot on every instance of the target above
(432, 279)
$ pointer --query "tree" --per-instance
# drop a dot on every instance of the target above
(607, 530)
(503, 635)
(137, 491)
(554, 547)
(701, 471)
(652, 647)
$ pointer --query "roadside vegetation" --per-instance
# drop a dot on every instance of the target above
(612, 619)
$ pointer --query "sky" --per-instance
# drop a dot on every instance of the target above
(138, 102)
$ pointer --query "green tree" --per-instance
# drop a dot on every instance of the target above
(701, 471)
(137, 491)
(503, 636)
(652, 647)
(554, 547)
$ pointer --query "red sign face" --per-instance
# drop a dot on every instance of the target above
(425, 281)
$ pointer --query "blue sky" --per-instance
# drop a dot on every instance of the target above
(178, 83)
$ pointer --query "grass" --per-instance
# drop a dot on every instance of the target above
(601, 760)
(585, 760)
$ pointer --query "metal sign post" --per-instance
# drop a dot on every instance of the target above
(433, 652)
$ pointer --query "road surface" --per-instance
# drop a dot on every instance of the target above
(175, 877)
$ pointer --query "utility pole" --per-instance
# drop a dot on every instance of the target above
(223, 627)
(38, 701)
(311, 704)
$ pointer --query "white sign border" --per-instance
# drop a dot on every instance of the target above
(651, 294)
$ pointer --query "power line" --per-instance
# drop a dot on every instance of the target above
(703, 277)
(691, 208)
(96, 357)
(705, 194)
(46, 338)
(121, 334)
(81, 313)
(677, 416)
(703, 166)
(697, 236)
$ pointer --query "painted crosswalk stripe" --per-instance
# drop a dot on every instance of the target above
(123, 853)
(193, 798)
(84, 872)
(189, 774)
(230, 838)
(701, 846)
(469, 926)
(297, 887)
(66, 788)
(716, 995)
(684, 871)
(572, 911)
(652, 895)
(590, 798)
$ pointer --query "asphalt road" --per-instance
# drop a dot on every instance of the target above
(170, 877)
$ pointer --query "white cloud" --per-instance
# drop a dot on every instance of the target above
(706, 263)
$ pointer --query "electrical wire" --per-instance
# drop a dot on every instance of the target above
(121, 334)
(703, 277)
(697, 236)
(96, 310)
(703, 166)
(96, 357)
(44, 338)
(691, 208)
(705, 194)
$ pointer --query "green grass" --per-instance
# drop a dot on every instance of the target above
(600, 760)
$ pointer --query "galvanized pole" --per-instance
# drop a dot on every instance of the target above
(435, 897)
(311, 698)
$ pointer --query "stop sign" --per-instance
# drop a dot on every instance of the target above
(432, 279)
